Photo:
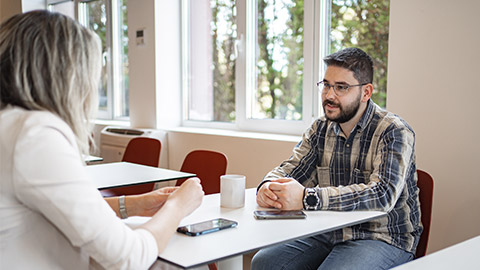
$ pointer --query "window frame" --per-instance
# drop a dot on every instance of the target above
(113, 56)
(245, 70)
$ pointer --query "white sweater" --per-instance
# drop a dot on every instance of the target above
(51, 214)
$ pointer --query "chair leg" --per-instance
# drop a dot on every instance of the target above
(212, 266)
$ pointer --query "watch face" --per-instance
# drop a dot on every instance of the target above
(312, 200)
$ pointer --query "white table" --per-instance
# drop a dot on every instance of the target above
(121, 174)
(250, 234)
(465, 255)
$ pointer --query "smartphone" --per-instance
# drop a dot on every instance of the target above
(279, 214)
(207, 226)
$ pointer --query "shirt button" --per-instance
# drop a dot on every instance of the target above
(348, 145)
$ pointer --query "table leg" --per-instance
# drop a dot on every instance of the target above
(234, 263)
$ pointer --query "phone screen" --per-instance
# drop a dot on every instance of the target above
(207, 226)
(279, 214)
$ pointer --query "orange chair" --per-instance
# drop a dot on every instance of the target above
(208, 166)
(425, 185)
(140, 150)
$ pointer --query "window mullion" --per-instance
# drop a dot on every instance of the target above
(185, 13)
(116, 58)
(110, 69)
(309, 67)
(323, 44)
(243, 50)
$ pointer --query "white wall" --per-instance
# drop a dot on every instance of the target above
(141, 60)
(433, 82)
(168, 63)
(28, 5)
(155, 68)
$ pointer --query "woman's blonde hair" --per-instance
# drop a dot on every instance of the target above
(50, 62)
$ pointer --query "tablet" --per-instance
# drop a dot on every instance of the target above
(279, 214)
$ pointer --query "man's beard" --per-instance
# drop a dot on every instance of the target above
(346, 113)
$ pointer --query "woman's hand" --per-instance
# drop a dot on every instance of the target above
(179, 203)
(147, 204)
(188, 196)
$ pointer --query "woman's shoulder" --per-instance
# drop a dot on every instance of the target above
(17, 121)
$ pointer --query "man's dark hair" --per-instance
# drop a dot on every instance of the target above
(355, 60)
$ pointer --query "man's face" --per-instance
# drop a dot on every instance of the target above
(341, 109)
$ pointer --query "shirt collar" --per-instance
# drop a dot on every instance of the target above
(367, 116)
(361, 124)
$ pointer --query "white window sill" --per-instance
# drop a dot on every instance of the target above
(212, 131)
(239, 134)
(105, 122)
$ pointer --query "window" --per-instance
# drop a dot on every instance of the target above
(364, 24)
(212, 51)
(108, 19)
(252, 65)
(245, 64)
(279, 61)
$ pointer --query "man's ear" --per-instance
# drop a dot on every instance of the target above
(367, 92)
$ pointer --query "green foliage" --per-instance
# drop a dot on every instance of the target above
(223, 45)
(97, 21)
(364, 24)
(354, 23)
(279, 85)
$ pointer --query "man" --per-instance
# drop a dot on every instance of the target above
(355, 157)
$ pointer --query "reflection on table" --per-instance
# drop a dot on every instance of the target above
(122, 174)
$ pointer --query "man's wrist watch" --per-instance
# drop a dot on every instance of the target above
(311, 201)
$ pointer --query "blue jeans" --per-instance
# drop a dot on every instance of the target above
(317, 252)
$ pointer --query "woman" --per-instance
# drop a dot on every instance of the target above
(52, 216)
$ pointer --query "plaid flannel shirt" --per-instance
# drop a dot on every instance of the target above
(373, 169)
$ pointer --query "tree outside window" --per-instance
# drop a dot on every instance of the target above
(364, 24)
(279, 69)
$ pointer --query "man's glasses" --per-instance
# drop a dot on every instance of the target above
(338, 89)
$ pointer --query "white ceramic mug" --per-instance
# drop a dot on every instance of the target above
(232, 191)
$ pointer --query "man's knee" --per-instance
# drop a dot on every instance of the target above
(261, 260)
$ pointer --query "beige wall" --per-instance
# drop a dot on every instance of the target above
(250, 157)
(12, 7)
(433, 82)
(9, 8)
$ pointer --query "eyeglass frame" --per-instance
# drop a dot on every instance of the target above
(334, 86)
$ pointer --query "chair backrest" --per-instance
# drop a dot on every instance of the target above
(208, 166)
(140, 150)
(425, 186)
(143, 150)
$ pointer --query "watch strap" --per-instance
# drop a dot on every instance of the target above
(121, 207)
(304, 198)
(307, 194)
